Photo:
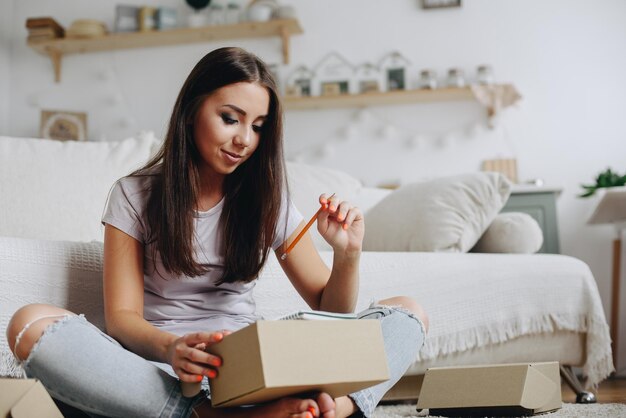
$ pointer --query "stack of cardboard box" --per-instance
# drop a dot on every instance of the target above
(43, 29)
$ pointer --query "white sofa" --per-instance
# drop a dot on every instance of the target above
(483, 308)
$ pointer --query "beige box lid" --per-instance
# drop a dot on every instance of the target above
(532, 386)
(26, 398)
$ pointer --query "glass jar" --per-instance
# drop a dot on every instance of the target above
(456, 77)
(428, 79)
(484, 75)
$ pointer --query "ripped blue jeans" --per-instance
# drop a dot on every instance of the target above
(84, 367)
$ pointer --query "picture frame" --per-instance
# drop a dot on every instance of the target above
(147, 18)
(63, 125)
(126, 18)
(440, 4)
(165, 18)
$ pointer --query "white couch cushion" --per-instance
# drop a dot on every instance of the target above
(61, 273)
(57, 190)
(307, 183)
(511, 232)
(446, 214)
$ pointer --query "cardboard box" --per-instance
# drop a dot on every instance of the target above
(519, 389)
(26, 398)
(272, 359)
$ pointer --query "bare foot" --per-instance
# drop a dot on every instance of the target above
(344, 407)
(327, 406)
(324, 406)
(282, 408)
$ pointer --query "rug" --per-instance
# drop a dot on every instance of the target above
(569, 410)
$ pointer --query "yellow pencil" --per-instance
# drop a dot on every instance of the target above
(301, 234)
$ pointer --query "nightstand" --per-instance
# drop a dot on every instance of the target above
(540, 203)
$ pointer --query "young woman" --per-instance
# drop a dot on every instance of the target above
(185, 239)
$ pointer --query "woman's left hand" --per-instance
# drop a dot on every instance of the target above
(341, 224)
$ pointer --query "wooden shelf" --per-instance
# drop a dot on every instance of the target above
(378, 98)
(387, 98)
(57, 48)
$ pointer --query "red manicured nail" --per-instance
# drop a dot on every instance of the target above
(211, 374)
(199, 378)
(312, 411)
(345, 226)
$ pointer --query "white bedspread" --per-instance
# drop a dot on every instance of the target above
(473, 300)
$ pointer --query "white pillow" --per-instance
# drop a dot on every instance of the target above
(61, 273)
(511, 232)
(446, 214)
(307, 183)
(57, 190)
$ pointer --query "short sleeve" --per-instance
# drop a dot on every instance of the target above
(125, 208)
(288, 220)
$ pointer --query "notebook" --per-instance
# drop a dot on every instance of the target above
(318, 315)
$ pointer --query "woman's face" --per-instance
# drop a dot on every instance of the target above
(227, 127)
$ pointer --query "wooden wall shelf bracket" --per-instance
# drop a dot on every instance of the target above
(56, 48)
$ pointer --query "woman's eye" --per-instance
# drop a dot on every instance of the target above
(257, 128)
(228, 120)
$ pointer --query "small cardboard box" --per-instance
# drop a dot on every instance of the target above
(26, 398)
(271, 359)
(519, 389)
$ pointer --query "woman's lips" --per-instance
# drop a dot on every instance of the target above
(232, 157)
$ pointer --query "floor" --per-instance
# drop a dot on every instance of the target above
(609, 391)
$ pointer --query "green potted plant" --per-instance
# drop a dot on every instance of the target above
(607, 178)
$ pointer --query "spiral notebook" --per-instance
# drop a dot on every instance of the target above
(318, 315)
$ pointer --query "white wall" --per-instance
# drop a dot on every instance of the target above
(5, 65)
(566, 57)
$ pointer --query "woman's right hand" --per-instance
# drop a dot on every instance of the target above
(188, 357)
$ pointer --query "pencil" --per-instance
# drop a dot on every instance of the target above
(301, 234)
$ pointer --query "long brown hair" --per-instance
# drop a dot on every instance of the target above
(253, 193)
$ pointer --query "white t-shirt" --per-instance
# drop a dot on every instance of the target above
(186, 304)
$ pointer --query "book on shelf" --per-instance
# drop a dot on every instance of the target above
(314, 315)
(45, 23)
(42, 33)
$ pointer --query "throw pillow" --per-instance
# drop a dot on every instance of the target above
(511, 232)
(446, 214)
(57, 190)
